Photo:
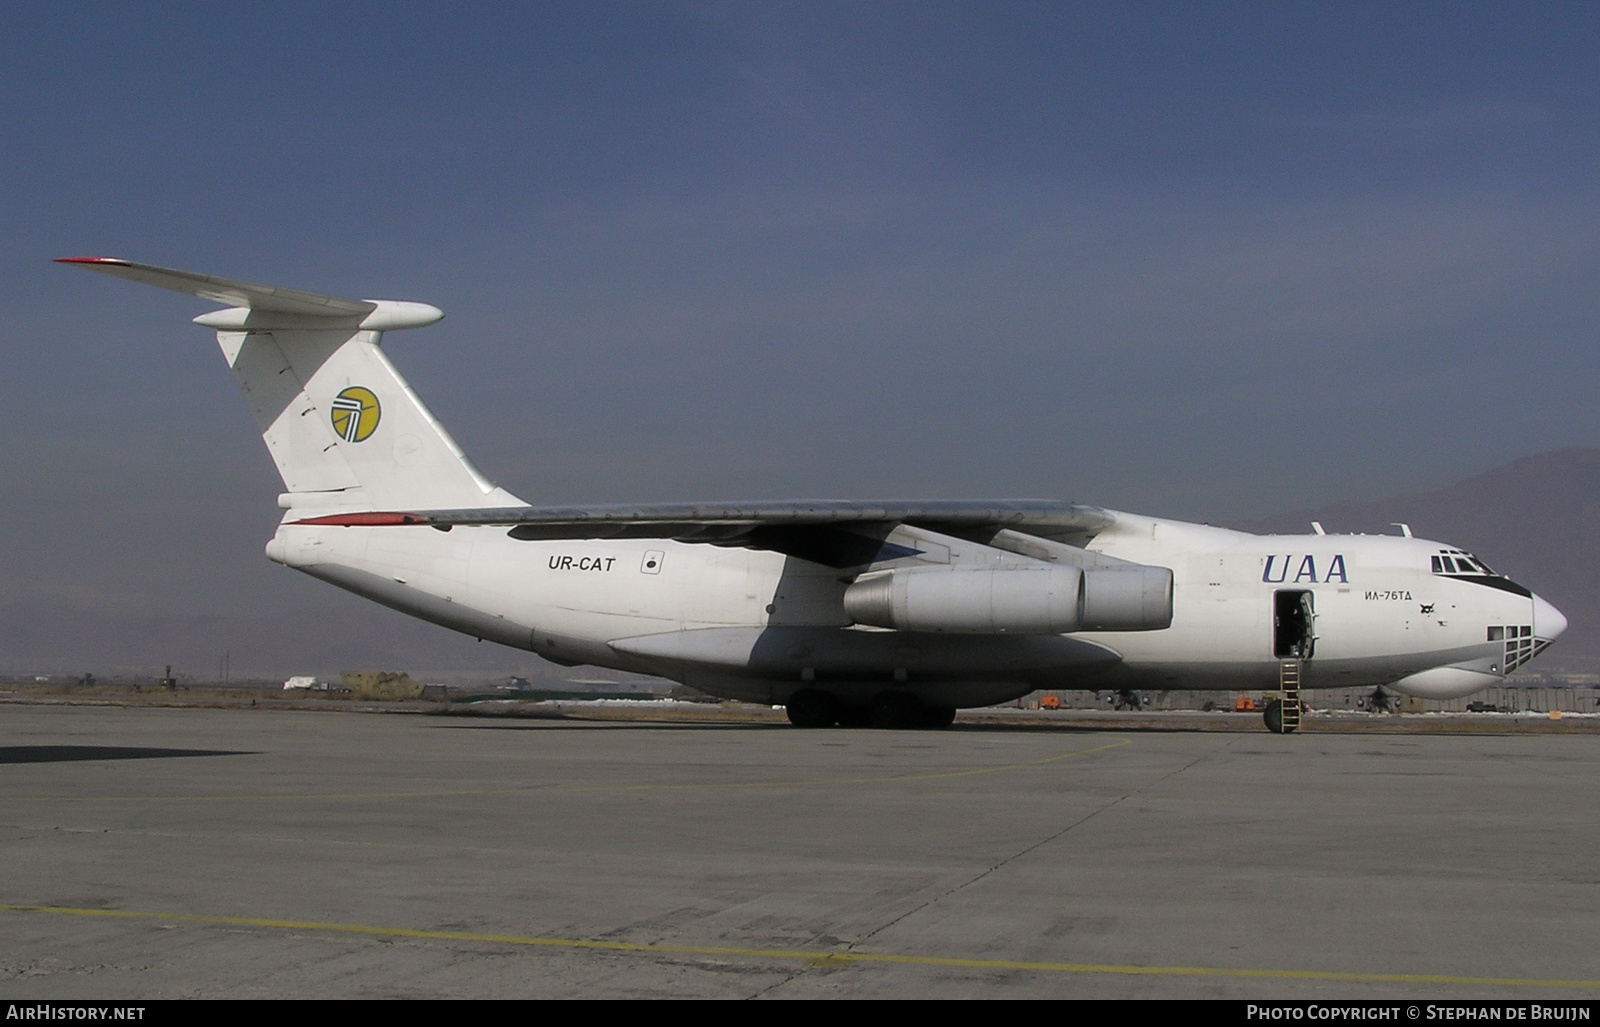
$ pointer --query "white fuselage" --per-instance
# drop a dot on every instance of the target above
(758, 625)
(382, 501)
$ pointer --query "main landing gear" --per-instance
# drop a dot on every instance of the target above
(812, 707)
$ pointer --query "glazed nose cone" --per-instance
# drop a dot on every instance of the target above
(1548, 622)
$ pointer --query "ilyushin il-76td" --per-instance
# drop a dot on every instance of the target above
(887, 613)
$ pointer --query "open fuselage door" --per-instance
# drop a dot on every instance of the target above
(1294, 621)
(1294, 638)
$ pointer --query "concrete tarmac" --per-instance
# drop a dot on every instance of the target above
(163, 853)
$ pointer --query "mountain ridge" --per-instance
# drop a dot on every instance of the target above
(1536, 520)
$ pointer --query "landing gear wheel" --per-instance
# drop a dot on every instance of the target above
(812, 708)
(900, 710)
(855, 716)
(1273, 715)
(894, 710)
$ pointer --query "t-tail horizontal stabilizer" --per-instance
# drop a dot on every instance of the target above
(254, 305)
(346, 431)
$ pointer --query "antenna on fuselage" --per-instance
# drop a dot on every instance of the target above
(1316, 526)
(1405, 529)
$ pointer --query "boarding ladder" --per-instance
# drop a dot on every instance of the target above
(1289, 693)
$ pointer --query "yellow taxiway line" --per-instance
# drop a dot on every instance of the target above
(821, 958)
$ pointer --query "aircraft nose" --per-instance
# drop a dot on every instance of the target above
(1548, 622)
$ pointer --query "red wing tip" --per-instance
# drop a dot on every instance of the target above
(365, 520)
(91, 260)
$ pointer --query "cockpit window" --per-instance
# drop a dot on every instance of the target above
(1455, 561)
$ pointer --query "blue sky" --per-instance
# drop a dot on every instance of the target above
(1210, 261)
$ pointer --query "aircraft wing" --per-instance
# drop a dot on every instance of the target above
(838, 534)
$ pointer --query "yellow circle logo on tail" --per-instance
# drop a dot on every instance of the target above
(355, 414)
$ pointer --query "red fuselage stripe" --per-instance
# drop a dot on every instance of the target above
(365, 520)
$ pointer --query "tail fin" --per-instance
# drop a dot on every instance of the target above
(345, 430)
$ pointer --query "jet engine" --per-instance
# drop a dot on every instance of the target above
(1046, 599)
(1131, 598)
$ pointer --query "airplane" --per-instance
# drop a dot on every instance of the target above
(892, 614)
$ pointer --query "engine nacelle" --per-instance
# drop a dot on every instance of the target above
(1048, 599)
(1043, 600)
(1134, 598)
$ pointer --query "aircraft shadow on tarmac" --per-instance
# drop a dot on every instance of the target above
(549, 723)
(73, 753)
(556, 723)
